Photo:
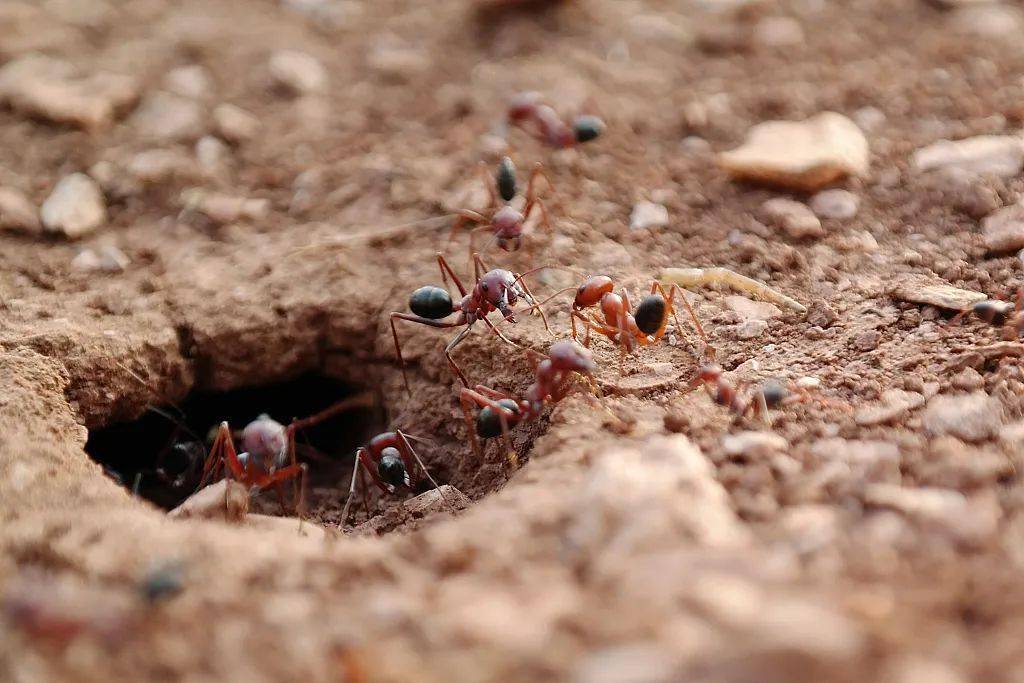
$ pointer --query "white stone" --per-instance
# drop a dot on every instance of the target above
(156, 165)
(75, 208)
(191, 81)
(211, 153)
(750, 329)
(648, 215)
(222, 208)
(234, 124)
(17, 212)
(755, 445)
(972, 417)
(1004, 229)
(801, 155)
(921, 291)
(400, 64)
(794, 218)
(298, 72)
(108, 259)
(837, 204)
(989, 21)
(999, 155)
(169, 118)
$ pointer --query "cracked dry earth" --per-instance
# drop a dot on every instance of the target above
(876, 536)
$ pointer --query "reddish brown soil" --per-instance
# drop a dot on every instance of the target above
(614, 554)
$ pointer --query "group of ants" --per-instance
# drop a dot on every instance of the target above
(268, 457)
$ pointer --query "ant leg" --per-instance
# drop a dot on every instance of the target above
(367, 399)
(406, 446)
(465, 216)
(447, 271)
(466, 402)
(689, 309)
(351, 491)
(448, 354)
(472, 241)
(539, 309)
(366, 492)
(479, 267)
(422, 321)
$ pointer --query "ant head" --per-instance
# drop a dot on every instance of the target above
(430, 302)
(500, 290)
(507, 222)
(266, 439)
(510, 243)
(774, 392)
(568, 355)
(391, 469)
(505, 179)
(488, 422)
(522, 105)
(591, 291)
(710, 372)
(586, 128)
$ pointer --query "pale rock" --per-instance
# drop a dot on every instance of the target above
(75, 208)
(837, 204)
(800, 155)
(52, 89)
(212, 153)
(648, 215)
(298, 72)
(748, 309)
(989, 21)
(895, 404)
(108, 259)
(793, 217)
(869, 119)
(1012, 435)
(920, 291)
(222, 208)
(169, 118)
(971, 417)
(998, 155)
(226, 500)
(778, 32)
(1004, 230)
(968, 379)
(398, 63)
(867, 460)
(754, 445)
(820, 314)
(968, 521)
(750, 329)
(867, 340)
(442, 499)
(157, 165)
(18, 213)
(234, 124)
(192, 81)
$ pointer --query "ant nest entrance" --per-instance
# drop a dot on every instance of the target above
(161, 455)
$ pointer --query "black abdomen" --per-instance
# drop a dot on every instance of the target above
(650, 313)
(431, 302)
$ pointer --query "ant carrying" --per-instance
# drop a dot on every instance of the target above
(527, 111)
(749, 399)
(495, 290)
(1008, 316)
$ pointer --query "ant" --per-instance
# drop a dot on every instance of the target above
(268, 457)
(747, 399)
(391, 462)
(500, 412)
(1004, 314)
(548, 127)
(495, 290)
(504, 221)
(624, 326)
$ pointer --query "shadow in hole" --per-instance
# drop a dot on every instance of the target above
(165, 458)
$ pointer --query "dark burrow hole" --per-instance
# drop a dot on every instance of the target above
(153, 454)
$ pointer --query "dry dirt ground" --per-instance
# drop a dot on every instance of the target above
(647, 547)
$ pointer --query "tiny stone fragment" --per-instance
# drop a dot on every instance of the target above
(778, 32)
(794, 218)
(1004, 230)
(298, 72)
(999, 155)
(820, 314)
(935, 294)
(226, 500)
(648, 215)
(17, 213)
(748, 309)
(837, 204)
(867, 340)
(750, 329)
(222, 208)
(399, 64)
(75, 208)
(169, 118)
(972, 417)
(800, 155)
(234, 124)
(754, 445)
(191, 81)
(156, 165)
(441, 499)
(108, 259)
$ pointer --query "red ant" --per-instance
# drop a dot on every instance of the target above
(624, 326)
(500, 412)
(268, 457)
(504, 221)
(1004, 314)
(495, 290)
(389, 458)
(747, 399)
(548, 127)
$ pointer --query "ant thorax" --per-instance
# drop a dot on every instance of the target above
(265, 441)
(507, 222)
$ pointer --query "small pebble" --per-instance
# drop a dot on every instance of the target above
(648, 215)
(837, 204)
(212, 153)
(972, 417)
(748, 309)
(794, 218)
(968, 379)
(191, 81)
(754, 445)
(936, 294)
(108, 259)
(398, 64)
(998, 155)
(156, 165)
(75, 208)
(298, 72)
(869, 119)
(1004, 229)
(169, 118)
(989, 21)
(18, 213)
(234, 124)
(895, 404)
(867, 340)
(222, 208)
(750, 329)
(820, 314)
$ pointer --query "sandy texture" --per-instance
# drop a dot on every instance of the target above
(642, 547)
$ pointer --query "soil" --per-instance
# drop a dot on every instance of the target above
(634, 542)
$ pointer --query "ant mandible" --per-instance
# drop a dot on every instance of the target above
(495, 290)
(548, 127)
(391, 462)
(624, 326)
(1009, 316)
(505, 221)
(748, 399)
(553, 381)
(268, 451)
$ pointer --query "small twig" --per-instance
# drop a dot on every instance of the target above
(694, 277)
